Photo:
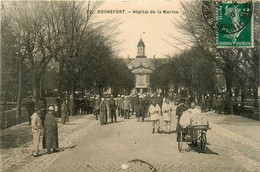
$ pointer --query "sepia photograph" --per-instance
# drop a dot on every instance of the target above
(130, 86)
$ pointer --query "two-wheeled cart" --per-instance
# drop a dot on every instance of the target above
(197, 134)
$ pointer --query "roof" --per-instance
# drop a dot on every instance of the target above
(140, 43)
(142, 70)
(141, 63)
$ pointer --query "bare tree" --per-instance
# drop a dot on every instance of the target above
(228, 60)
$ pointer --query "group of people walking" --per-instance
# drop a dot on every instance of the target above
(123, 106)
(140, 106)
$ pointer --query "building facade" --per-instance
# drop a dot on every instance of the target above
(142, 68)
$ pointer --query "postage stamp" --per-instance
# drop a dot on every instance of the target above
(233, 22)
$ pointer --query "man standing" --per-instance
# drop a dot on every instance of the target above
(64, 112)
(51, 131)
(154, 110)
(112, 108)
(37, 127)
(146, 104)
(119, 104)
(126, 107)
(97, 107)
(58, 102)
(139, 109)
(122, 111)
(134, 104)
(91, 104)
(43, 104)
(71, 106)
(30, 108)
(179, 111)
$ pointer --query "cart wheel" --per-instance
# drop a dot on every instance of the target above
(180, 141)
(203, 141)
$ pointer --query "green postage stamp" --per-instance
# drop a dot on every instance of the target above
(232, 20)
(234, 24)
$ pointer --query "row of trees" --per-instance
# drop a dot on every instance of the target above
(58, 45)
(196, 68)
(190, 69)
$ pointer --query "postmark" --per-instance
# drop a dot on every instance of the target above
(231, 20)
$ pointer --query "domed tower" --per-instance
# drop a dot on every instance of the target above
(140, 49)
(142, 68)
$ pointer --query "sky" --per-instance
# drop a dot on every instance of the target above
(155, 27)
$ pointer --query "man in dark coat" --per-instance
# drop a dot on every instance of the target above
(71, 106)
(64, 112)
(58, 102)
(91, 104)
(146, 104)
(135, 104)
(97, 107)
(179, 111)
(112, 108)
(140, 109)
(51, 131)
(30, 108)
(43, 105)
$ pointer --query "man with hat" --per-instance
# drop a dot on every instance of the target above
(154, 110)
(37, 127)
(119, 105)
(126, 106)
(97, 107)
(112, 108)
(51, 131)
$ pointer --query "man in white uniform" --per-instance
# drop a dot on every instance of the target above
(154, 110)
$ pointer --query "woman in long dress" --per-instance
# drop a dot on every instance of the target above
(51, 131)
(173, 107)
(166, 115)
(103, 111)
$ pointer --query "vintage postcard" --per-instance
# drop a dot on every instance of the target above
(152, 85)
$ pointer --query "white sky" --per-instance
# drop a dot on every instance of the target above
(156, 26)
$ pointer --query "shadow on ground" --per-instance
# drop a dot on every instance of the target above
(194, 148)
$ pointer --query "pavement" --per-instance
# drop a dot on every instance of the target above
(128, 145)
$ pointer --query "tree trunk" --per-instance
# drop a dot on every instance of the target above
(255, 54)
(73, 95)
(60, 84)
(229, 80)
(256, 80)
(242, 106)
(19, 95)
(36, 89)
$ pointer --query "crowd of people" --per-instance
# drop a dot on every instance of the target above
(160, 109)
(221, 103)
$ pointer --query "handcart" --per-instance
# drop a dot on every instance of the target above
(196, 133)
